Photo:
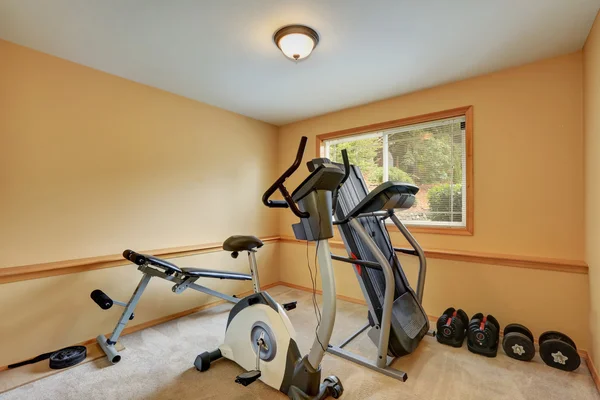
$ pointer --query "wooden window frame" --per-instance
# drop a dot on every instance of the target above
(467, 112)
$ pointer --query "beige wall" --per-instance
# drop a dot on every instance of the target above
(527, 138)
(91, 164)
(591, 91)
(528, 194)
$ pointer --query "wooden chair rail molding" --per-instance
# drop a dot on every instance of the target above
(35, 271)
(509, 260)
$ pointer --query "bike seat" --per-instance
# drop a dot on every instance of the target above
(242, 243)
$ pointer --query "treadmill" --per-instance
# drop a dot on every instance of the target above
(396, 319)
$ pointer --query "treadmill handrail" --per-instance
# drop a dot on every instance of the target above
(418, 252)
(386, 313)
(364, 263)
(410, 252)
(382, 213)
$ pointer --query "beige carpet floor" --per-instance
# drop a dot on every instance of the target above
(158, 364)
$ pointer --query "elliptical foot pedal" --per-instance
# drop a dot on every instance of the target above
(247, 377)
(289, 306)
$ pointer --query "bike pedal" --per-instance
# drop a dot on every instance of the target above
(289, 306)
(247, 377)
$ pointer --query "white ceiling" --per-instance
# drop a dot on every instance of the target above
(222, 53)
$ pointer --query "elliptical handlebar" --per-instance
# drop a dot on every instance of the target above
(346, 166)
(346, 175)
(278, 185)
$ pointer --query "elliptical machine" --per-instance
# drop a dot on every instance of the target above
(259, 336)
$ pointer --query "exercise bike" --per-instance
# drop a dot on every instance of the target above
(259, 336)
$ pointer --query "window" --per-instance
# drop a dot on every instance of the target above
(430, 151)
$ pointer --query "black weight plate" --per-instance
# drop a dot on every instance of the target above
(495, 322)
(463, 316)
(518, 346)
(67, 357)
(441, 321)
(518, 328)
(476, 320)
(480, 337)
(493, 328)
(559, 354)
(446, 331)
(478, 316)
(449, 311)
(556, 335)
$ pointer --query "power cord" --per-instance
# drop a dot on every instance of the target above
(324, 348)
(313, 280)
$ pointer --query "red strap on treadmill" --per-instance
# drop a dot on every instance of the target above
(358, 268)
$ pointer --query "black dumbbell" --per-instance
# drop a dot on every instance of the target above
(451, 327)
(559, 351)
(483, 335)
(518, 342)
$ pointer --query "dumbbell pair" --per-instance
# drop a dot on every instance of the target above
(482, 332)
(556, 349)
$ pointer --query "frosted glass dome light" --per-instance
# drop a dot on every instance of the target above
(296, 42)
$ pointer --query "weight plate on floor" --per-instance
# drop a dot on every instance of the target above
(559, 354)
(518, 328)
(557, 336)
(67, 357)
(518, 346)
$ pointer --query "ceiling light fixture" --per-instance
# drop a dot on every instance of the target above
(296, 42)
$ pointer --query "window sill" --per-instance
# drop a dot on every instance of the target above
(437, 230)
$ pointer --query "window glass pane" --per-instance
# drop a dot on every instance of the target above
(366, 153)
(430, 156)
